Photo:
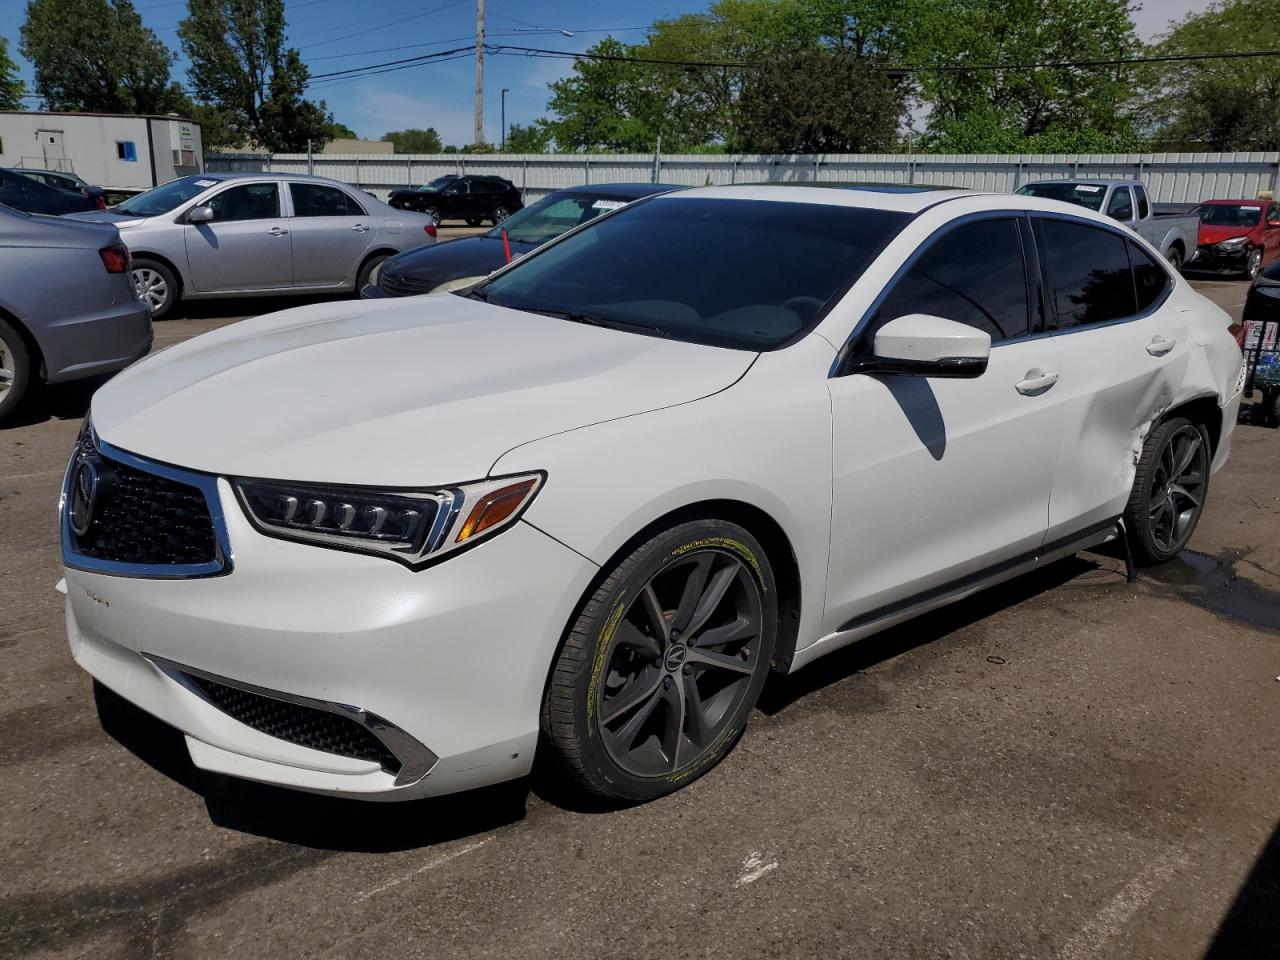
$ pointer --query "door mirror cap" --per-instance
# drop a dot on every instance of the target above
(925, 346)
(200, 214)
(1274, 222)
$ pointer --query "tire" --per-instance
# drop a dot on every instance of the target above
(624, 648)
(1271, 407)
(1174, 256)
(155, 285)
(500, 213)
(15, 369)
(433, 213)
(1169, 490)
(367, 268)
(1253, 266)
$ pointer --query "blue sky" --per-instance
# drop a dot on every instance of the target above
(340, 34)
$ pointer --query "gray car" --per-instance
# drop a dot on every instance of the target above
(67, 307)
(241, 234)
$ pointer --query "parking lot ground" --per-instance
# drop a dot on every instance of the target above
(1067, 766)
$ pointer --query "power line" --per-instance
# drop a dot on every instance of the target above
(472, 36)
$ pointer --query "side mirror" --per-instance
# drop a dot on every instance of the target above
(200, 215)
(924, 346)
(1273, 223)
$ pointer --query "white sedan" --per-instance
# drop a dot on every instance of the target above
(391, 549)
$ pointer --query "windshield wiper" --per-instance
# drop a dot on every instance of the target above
(591, 320)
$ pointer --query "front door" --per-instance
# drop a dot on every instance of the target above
(1123, 350)
(51, 148)
(939, 481)
(246, 247)
(331, 233)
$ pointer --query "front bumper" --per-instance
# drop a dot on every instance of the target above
(86, 345)
(1210, 259)
(451, 659)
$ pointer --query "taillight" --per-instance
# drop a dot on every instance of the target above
(102, 204)
(430, 228)
(115, 258)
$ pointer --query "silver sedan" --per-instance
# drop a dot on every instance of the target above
(240, 234)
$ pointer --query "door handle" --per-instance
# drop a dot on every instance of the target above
(360, 228)
(277, 231)
(1159, 346)
(1035, 383)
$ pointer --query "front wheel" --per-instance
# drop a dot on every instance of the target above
(1253, 266)
(15, 368)
(1168, 490)
(434, 214)
(155, 285)
(662, 667)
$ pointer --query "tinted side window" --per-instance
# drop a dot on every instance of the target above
(488, 186)
(1120, 205)
(317, 200)
(972, 274)
(1088, 273)
(1144, 208)
(252, 201)
(1148, 276)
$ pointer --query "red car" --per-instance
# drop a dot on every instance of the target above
(1237, 236)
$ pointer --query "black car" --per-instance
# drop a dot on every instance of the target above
(32, 196)
(473, 199)
(455, 263)
(1263, 306)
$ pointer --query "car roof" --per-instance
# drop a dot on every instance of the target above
(1090, 181)
(264, 175)
(906, 198)
(629, 190)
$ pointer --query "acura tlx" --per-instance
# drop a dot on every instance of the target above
(584, 507)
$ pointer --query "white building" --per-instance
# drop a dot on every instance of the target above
(117, 151)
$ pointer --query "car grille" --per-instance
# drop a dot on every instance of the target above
(143, 518)
(305, 726)
(398, 285)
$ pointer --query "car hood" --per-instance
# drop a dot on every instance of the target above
(1215, 234)
(452, 259)
(410, 392)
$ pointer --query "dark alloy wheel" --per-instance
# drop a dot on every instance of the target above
(500, 213)
(434, 214)
(661, 670)
(1169, 490)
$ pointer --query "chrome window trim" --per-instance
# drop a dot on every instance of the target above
(206, 483)
(416, 760)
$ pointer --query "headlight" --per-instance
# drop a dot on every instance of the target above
(1235, 243)
(455, 284)
(414, 527)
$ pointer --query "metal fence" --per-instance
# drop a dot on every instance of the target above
(1171, 178)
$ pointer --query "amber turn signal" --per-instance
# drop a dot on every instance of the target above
(495, 508)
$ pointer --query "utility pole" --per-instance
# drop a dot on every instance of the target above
(505, 91)
(479, 72)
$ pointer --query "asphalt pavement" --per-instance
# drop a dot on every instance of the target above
(1067, 766)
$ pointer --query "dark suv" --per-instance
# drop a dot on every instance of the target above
(473, 199)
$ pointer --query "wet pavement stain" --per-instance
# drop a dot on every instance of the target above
(1213, 583)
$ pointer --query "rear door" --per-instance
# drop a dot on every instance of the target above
(1123, 352)
(246, 245)
(939, 481)
(331, 233)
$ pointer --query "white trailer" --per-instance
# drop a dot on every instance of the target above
(122, 153)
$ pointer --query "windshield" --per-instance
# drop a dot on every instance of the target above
(1081, 194)
(748, 274)
(554, 214)
(166, 197)
(439, 183)
(1229, 215)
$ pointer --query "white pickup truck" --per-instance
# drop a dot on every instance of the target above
(1173, 234)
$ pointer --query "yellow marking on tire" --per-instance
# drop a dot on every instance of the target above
(606, 635)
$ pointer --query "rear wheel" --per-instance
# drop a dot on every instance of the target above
(15, 368)
(663, 666)
(1174, 256)
(500, 213)
(155, 285)
(366, 270)
(1168, 491)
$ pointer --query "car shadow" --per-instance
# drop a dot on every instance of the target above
(305, 819)
(245, 306)
(59, 401)
(1251, 927)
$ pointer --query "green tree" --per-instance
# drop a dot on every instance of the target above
(1220, 104)
(340, 131)
(1026, 108)
(121, 67)
(534, 138)
(414, 140)
(819, 101)
(10, 85)
(239, 63)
